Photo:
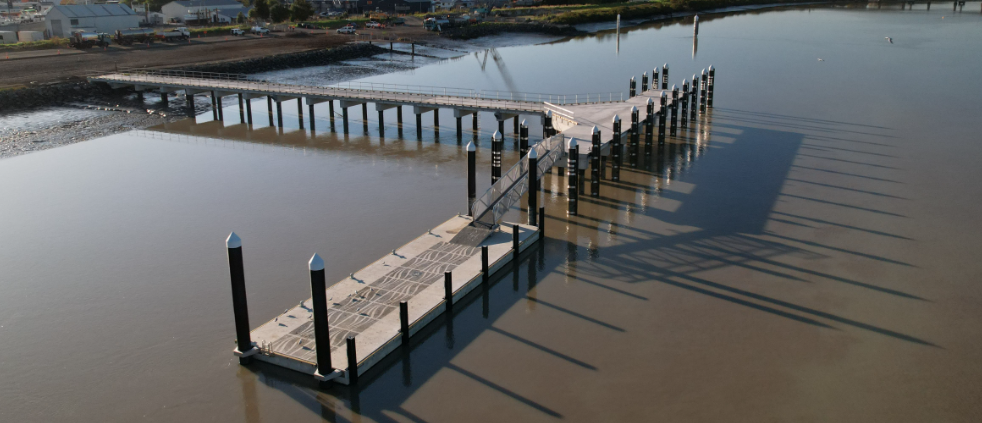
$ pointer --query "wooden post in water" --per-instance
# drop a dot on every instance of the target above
(322, 334)
(240, 307)
(497, 144)
(685, 104)
(448, 289)
(664, 76)
(632, 148)
(571, 189)
(523, 138)
(673, 129)
(615, 151)
(644, 82)
(533, 184)
(310, 108)
(330, 111)
(694, 100)
(695, 26)
(703, 80)
(219, 108)
(595, 166)
(404, 322)
(352, 360)
(663, 111)
(515, 246)
(547, 125)
(241, 110)
(300, 112)
(279, 112)
(471, 178)
(399, 116)
(485, 276)
(711, 87)
(649, 122)
(248, 105)
(344, 119)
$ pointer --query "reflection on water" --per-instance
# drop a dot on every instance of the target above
(793, 256)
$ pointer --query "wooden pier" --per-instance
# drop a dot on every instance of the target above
(373, 311)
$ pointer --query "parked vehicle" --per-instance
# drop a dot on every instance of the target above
(433, 24)
(346, 30)
(175, 34)
(85, 39)
(372, 24)
(134, 35)
(237, 32)
(259, 30)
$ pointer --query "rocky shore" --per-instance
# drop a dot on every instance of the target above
(495, 28)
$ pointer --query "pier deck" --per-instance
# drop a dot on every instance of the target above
(366, 304)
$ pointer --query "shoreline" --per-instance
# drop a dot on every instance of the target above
(125, 114)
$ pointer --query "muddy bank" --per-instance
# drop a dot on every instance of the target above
(495, 28)
(291, 60)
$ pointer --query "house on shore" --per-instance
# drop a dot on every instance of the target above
(200, 11)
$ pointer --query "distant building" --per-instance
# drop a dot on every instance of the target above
(229, 14)
(388, 6)
(62, 20)
(196, 10)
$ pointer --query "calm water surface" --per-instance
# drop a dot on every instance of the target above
(808, 254)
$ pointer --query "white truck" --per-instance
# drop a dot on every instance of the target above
(259, 30)
(175, 34)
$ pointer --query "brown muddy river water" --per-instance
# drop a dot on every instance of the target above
(812, 256)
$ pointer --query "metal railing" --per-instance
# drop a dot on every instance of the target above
(365, 90)
(491, 207)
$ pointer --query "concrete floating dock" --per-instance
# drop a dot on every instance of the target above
(366, 304)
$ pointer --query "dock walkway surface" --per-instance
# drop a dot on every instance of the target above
(355, 92)
(366, 304)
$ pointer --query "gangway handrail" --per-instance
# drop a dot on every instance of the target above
(490, 208)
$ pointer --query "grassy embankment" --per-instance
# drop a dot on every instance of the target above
(36, 45)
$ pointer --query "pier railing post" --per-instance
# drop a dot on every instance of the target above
(352, 372)
(615, 151)
(711, 87)
(644, 82)
(322, 334)
(662, 115)
(533, 184)
(654, 78)
(471, 177)
(632, 88)
(595, 166)
(572, 191)
(240, 307)
(497, 144)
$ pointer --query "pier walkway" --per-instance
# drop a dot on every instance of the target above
(374, 310)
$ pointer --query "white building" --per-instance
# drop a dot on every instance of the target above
(196, 10)
(62, 20)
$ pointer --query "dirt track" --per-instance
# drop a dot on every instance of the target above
(41, 70)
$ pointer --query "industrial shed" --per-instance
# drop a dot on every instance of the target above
(62, 20)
